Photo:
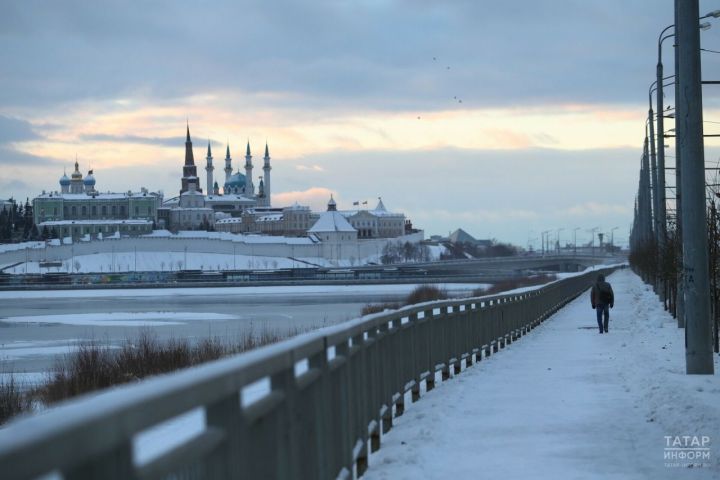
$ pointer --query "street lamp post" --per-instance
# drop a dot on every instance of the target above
(545, 242)
(557, 240)
(592, 232)
(575, 240)
(698, 327)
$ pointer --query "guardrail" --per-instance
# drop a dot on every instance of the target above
(331, 393)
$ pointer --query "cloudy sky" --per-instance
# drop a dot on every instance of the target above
(504, 118)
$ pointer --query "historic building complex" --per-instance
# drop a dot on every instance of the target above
(79, 209)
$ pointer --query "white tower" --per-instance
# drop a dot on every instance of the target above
(228, 164)
(209, 170)
(266, 176)
(249, 189)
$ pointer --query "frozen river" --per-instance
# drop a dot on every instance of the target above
(36, 327)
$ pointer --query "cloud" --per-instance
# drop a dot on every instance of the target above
(314, 197)
(597, 209)
(314, 168)
(13, 157)
(325, 52)
(137, 139)
(16, 130)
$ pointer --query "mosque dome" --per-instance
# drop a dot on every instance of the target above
(64, 180)
(236, 180)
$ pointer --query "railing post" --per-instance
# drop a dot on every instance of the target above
(415, 390)
(115, 464)
(228, 460)
(430, 319)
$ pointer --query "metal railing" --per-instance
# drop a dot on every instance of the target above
(331, 393)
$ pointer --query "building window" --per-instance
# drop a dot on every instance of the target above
(94, 210)
(104, 210)
(84, 211)
(137, 211)
(114, 210)
(55, 211)
(122, 210)
(65, 211)
(74, 210)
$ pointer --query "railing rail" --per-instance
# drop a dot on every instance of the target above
(331, 392)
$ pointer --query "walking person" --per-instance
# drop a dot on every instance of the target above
(602, 299)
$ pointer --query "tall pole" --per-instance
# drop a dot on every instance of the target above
(662, 229)
(655, 184)
(698, 326)
(575, 240)
(680, 300)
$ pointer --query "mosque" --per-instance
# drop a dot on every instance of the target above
(79, 209)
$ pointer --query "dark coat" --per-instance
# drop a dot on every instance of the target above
(601, 286)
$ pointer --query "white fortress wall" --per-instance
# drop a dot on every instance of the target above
(225, 244)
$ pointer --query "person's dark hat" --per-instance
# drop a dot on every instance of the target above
(601, 278)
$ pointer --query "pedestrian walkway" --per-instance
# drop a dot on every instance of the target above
(567, 402)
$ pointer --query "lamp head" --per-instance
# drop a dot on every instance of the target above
(714, 14)
(705, 26)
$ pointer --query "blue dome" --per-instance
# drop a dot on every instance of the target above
(64, 181)
(236, 180)
(89, 180)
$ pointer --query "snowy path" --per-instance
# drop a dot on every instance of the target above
(565, 402)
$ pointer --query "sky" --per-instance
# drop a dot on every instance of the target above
(507, 119)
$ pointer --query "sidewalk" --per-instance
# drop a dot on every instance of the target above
(566, 402)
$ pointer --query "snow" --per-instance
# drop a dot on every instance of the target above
(331, 221)
(120, 319)
(168, 261)
(11, 247)
(565, 402)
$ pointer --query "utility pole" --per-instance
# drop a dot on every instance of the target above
(661, 219)
(655, 188)
(698, 326)
(680, 300)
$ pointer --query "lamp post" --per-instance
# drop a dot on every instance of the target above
(661, 215)
(545, 241)
(698, 327)
(575, 240)
(557, 240)
(592, 232)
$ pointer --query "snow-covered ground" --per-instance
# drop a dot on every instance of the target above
(144, 261)
(566, 402)
(173, 261)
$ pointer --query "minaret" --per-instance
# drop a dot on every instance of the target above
(228, 164)
(249, 189)
(189, 169)
(209, 170)
(266, 175)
